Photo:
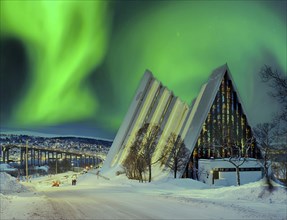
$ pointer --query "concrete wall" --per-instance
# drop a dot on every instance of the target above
(207, 167)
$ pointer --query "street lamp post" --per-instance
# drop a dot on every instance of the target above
(56, 163)
(26, 158)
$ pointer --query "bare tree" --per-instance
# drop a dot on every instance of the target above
(238, 158)
(139, 158)
(229, 149)
(278, 83)
(150, 141)
(279, 168)
(279, 162)
(134, 165)
(176, 154)
(265, 135)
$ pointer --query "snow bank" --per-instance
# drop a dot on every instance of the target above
(9, 184)
(6, 167)
(256, 191)
(45, 168)
(184, 183)
(189, 188)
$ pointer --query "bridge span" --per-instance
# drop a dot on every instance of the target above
(39, 156)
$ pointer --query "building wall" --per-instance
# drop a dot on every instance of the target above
(225, 120)
(225, 131)
(127, 124)
(154, 104)
(144, 111)
(216, 109)
(250, 171)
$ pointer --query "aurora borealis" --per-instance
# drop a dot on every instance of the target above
(71, 62)
(64, 43)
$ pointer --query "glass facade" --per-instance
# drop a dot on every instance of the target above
(225, 131)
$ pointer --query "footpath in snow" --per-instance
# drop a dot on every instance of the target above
(94, 197)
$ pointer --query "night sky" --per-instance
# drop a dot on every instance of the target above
(72, 67)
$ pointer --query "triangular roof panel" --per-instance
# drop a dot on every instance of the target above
(203, 104)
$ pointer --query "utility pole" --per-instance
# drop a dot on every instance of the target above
(26, 158)
(56, 163)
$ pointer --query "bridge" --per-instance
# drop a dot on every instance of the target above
(39, 156)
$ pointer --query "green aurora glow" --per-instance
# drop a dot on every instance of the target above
(65, 41)
(180, 42)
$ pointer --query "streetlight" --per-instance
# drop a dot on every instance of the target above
(26, 158)
(83, 155)
(57, 163)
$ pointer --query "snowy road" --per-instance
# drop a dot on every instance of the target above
(94, 198)
(81, 204)
(127, 203)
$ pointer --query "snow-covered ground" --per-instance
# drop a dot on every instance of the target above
(97, 198)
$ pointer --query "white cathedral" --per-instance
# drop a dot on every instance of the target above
(216, 110)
